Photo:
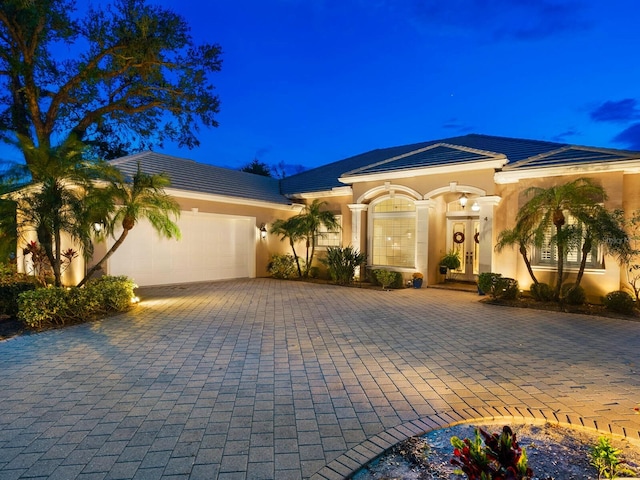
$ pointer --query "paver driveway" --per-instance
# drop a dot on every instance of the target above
(276, 380)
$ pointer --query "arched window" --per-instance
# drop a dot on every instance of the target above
(393, 232)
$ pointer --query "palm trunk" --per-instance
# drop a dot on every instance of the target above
(560, 246)
(295, 256)
(56, 260)
(586, 248)
(106, 257)
(527, 262)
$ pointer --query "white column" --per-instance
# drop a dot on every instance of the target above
(487, 208)
(422, 236)
(357, 209)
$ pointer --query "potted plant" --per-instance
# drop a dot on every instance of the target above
(417, 280)
(450, 261)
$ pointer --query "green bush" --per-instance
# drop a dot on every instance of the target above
(498, 287)
(542, 292)
(387, 278)
(572, 294)
(283, 266)
(58, 306)
(342, 263)
(619, 301)
(9, 296)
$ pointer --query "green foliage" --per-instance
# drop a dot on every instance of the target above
(619, 301)
(542, 292)
(57, 306)
(387, 278)
(500, 458)
(314, 272)
(573, 294)
(498, 287)
(342, 263)
(451, 260)
(9, 294)
(282, 266)
(257, 168)
(606, 460)
(135, 79)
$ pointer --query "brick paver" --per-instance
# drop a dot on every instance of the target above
(264, 379)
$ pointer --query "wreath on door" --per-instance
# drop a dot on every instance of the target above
(476, 237)
(458, 237)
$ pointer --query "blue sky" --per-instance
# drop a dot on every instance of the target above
(308, 82)
(312, 81)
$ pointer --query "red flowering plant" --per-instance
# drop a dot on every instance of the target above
(40, 265)
(500, 458)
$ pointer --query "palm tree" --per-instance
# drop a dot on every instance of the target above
(62, 184)
(547, 209)
(522, 237)
(143, 198)
(290, 229)
(309, 222)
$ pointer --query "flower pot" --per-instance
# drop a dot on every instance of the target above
(417, 282)
(443, 269)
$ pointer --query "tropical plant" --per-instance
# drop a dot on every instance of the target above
(500, 458)
(342, 263)
(619, 301)
(522, 237)
(61, 199)
(282, 266)
(572, 294)
(134, 76)
(451, 260)
(143, 198)
(309, 222)
(581, 199)
(542, 292)
(385, 277)
(606, 460)
(305, 227)
(289, 229)
(497, 286)
(632, 263)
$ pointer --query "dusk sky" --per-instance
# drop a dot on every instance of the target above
(309, 82)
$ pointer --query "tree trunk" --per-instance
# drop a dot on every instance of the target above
(106, 257)
(586, 248)
(527, 262)
(560, 247)
(56, 259)
(295, 257)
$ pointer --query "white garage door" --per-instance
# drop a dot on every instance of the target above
(212, 247)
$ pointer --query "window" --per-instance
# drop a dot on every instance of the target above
(548, 253)
(330, 238)
(394, 232)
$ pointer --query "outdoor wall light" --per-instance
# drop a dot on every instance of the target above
(263, 231)
(97, 227)
(463, 200)
(475, 207)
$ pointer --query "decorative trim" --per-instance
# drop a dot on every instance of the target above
(388, 188)
(334, 192)
(514, 176)
(454, 187)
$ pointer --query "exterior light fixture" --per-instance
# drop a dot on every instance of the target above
(263, 231)
(97, 227)
(463, 200)
(475, 207)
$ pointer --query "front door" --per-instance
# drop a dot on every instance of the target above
(463, 235)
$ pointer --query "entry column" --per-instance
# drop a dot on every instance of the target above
(487, 235)
(422, 236)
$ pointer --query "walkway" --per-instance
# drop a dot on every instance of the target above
(263, 379)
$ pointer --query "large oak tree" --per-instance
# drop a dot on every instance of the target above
(122, 77)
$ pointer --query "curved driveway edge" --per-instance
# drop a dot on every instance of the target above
(264, 379)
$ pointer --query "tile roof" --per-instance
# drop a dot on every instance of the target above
(202, 178)
(520, 153)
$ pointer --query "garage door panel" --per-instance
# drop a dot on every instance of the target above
(212, 247)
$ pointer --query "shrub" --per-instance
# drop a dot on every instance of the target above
(499, 458)
(57, 306)
(9, 296)
(498, 287)
(573, 294)
(282, 266)
(387, 278)
(605, 458)
(542, 292)
(342, 263)
(619, 301)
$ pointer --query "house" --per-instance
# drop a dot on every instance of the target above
(404, 206)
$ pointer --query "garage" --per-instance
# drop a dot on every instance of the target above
(212, 247)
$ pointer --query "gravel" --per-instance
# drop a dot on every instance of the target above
(554, 452)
